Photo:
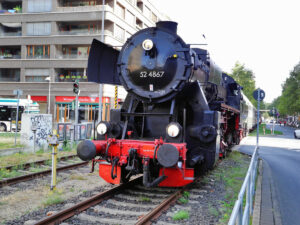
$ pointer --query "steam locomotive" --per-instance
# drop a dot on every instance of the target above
(180, 115)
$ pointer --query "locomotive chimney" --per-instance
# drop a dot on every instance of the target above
(169, 25)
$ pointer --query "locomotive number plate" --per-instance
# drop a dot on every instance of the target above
(153, 74)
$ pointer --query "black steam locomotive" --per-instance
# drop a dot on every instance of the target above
(180, 115)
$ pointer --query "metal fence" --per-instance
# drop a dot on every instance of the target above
(243, 209)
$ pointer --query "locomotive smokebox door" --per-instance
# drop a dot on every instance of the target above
(167, 155)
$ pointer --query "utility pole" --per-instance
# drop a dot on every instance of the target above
(258, 95)
(101, 85)
(76, 91)
(258, 106)
(18, 93)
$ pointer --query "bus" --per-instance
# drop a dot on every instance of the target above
(8, 112)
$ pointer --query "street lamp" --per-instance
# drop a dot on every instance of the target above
(49, 79)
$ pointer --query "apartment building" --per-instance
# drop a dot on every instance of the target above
(44, 47)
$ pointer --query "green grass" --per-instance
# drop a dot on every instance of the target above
(261, 132)
(36, 169)
(77, 177)
(3, 203)
(53, 198)
(233, 178)
(4, 173)
(7, 145)
(181, 215)
(144, 199)
(183, 200)
(9, 135)
(186, 194)
(213, 211)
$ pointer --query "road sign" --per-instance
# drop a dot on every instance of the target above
(261, 96)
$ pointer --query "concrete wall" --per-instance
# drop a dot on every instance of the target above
(43, 124)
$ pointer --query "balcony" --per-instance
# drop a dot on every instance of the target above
(38, 52)
(73, 52)
(84, 28)
(10, 7)
(70, 75)
(10, 52)
(10, 29)
(83, 5)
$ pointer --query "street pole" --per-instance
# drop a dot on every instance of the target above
(257, 129)
(17, 116)
(76, 110)
(101, 85)
(273, 121)
(49, 96)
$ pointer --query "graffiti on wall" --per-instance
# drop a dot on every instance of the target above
(35, 129)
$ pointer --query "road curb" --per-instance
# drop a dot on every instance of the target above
(257, 198)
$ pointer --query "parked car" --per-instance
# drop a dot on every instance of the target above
(297, 134)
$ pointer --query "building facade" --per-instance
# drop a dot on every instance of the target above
(44, 47)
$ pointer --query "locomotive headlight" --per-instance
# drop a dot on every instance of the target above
(173, 129)
(102, 128)
(147, 44)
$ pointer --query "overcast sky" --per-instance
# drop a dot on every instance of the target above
(262, 34)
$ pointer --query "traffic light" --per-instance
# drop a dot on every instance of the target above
(76, 88)
(273, 112)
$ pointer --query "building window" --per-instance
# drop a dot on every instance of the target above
(120, 11)
(139, 4)
(139, 24)
(9, 75)
(130, 18)
(39, 5)
(10, 52)
(79, 28)
(74, 52)
(154, 18)
(119, 33)
(38, 29)
(36, 75)
(38, 51)
(72, 3)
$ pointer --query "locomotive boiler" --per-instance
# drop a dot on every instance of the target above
(180, 115)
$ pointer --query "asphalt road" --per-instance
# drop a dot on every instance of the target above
(282, 155)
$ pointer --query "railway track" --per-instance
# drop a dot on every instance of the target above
(129, 203)
(47, 171)
(39, 162)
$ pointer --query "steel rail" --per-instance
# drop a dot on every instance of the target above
(38, 174)
(157, 211)
(76, 209)
(40, 162)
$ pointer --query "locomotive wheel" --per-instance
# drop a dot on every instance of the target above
(209, 160)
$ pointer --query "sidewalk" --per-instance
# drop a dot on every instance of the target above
(266, 209)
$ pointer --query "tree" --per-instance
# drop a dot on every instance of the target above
(246, 79)
(289, 101)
